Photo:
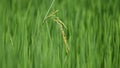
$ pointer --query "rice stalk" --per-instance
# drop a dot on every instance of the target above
(61, 25)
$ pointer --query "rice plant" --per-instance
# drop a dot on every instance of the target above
(87, 30)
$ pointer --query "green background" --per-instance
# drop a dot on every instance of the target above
(93, 34)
